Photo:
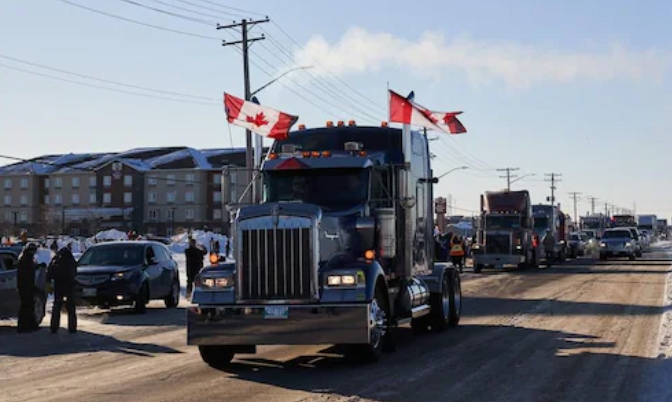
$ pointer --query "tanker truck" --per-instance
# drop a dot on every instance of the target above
(340, 251)
(505, 235)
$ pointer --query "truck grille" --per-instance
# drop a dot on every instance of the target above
(497, 244)
(276, 264)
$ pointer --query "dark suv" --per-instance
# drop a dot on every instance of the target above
(127, 273)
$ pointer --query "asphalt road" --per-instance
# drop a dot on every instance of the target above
(583, 331)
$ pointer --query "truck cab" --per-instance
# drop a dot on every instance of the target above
(549, 218)
(340, 251)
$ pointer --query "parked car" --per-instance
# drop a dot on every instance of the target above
(9, 293)
(127, 273)
(577, 245)
(618, 242)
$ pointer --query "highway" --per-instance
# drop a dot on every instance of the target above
(582, 331)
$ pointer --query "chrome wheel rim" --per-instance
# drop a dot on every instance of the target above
(445, 301)
(377, 320)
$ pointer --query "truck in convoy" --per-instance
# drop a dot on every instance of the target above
(551, 218)
(623, 221)
(339, 252)
(662, 228)
(596, 223)
(505, 236)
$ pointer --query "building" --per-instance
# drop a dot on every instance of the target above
(149, 190)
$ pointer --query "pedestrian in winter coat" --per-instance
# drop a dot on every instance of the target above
(26, 268)
(549, 246)
(457, 252)
(62, 271)
(194, 255)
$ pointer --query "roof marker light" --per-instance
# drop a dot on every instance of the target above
(383, 124)
(291, 163)
(330, 123)
(351, 123)
(302, 126)
(341, 123)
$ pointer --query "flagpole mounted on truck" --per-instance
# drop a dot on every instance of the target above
(341, 251)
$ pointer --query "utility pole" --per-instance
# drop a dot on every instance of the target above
(508, 175)
(553, 178)
(245, 25)
(606, 208)
(592, 204)
(575, 198)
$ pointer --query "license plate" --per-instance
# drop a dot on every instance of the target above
(89, 291)
(276, 312)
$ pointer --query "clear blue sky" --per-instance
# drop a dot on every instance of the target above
(579, 88)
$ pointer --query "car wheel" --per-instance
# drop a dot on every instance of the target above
(216, 356)
(141, 300)
(173, 299)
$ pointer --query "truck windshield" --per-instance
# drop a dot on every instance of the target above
(540, 223)
(332, 189)
(502, 222)
(592, 224)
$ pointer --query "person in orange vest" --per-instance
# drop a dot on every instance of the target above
(457, 252)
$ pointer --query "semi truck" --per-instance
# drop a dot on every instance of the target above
(551, 218)
(662, 229)
(647, 222)
(596, 223)
(623, 220)
(339, 252)
(505, 234)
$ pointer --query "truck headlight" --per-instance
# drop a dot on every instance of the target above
(345, 280)
(216, 282)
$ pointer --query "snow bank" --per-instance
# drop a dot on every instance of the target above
(181, 242)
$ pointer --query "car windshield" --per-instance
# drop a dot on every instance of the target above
(592, 224)
(113, 254)
(502, 222)
(616, 234)
(328, 188)
(589, 234)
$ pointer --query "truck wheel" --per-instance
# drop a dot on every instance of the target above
(216, 356)
(455, 294)
(378, 320)
(478, 268)
(447, 305)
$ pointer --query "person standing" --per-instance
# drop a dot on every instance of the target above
(457, 252)
(194, 257)
(549, 247)
(26, 267)
(62, 271)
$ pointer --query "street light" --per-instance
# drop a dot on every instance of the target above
(451, 171)
(522, 177)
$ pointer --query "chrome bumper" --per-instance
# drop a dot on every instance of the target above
(303, 325)
(498, 259)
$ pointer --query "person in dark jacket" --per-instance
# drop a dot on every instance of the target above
(63, 270)
(26, 268)
(194, 257)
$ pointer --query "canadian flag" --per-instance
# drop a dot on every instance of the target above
(405, 111)
(259, 119)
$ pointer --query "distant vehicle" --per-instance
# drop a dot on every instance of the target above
(577, 245)
(127, 273)
(596, 223)
(618, 242)
(638, 241)
(646, 238)
(551, 218)
(620, 221)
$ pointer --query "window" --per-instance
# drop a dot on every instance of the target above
(171, 180)
(190, 178)
(216, 196)
(128, 198)
(57, 199)
(188, 214)
(217, 180)
(170, 197)
(75, 199)
(46, 183)
(8, 217)
(189, 196)
(170, 214)
(8, 200)
(92, 181)
(107, 198)
(169, 231)
(24, 200)
(151, 197)
(8, 184)
(46, 199)
(92, 198)
(75, 182)
(58, 182)
(217, 214)
(23, 216)
(128, 181)
(24, 183)
(152, 214)
(107, 181)
(151, 181)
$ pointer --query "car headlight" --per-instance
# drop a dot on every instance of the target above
(121, 275)
(216, 282)
(603, 244)
(345, 280)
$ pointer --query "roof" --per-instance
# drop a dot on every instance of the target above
(141, 159)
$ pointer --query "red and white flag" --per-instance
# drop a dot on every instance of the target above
(259, 119)
(405, 111)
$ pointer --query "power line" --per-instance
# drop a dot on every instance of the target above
(106, 88)
(172, 14)
(106, 80)
(248, 12)
(575, 196)
(553, 178)
(508, 175)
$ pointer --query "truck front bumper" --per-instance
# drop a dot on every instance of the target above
(312, 324)
(498, 259)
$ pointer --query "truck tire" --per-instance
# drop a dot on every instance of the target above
(216, 356)
(446, 306)
(380, 333)
(455, 299)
